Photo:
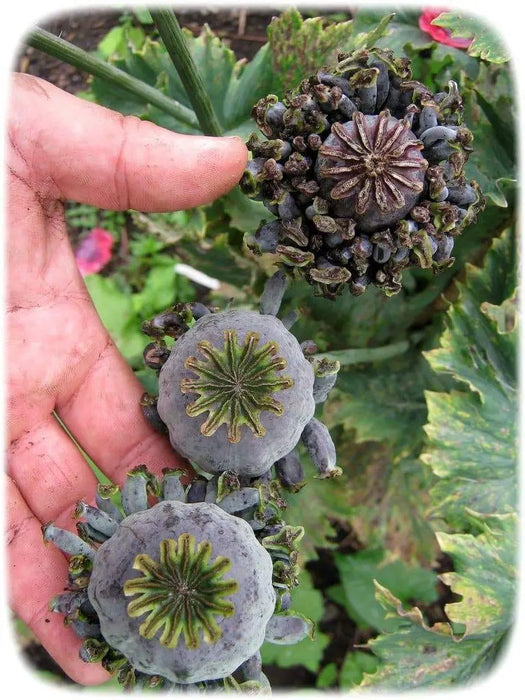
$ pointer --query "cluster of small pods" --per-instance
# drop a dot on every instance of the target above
(363, 170)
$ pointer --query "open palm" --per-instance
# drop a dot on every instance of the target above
(60, 358)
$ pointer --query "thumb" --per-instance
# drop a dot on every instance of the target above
(74, 149)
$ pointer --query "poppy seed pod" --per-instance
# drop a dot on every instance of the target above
(230, 602)
(363, 168)
(174, 591)
(236, 392)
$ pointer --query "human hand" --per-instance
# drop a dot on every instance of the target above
(60, 357)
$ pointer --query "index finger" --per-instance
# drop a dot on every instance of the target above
(78, 150)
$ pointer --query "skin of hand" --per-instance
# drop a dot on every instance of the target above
(62, 360)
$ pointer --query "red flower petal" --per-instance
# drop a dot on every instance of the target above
(440, 34)
(94, 251)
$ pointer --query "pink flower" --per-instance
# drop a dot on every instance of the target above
(94, 251)
(440, 34)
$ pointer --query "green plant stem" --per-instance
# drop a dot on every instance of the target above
(356, 356)
(175, 42)
(69, 53)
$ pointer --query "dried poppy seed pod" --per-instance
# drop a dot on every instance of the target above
(356, 155)
(236, 392)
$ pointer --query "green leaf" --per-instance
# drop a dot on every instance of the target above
(162, 287)
(472, 449)
(355, 665)
(308, 601)
(485, 43)
(489, 111)
(327, 676)
(416, 655)
(358, 572)
(115, 309)
(473, 433)
(117, 37)
(233, 86)
(300, 47)
(383, 401)
(485, 576)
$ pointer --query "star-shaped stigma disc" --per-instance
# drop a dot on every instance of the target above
(182, 593)
(236, 384)
(376, 161)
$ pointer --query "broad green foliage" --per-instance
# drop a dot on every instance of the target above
(485, 43)
(490, 112)
(233, 86)
(472, 449)
(355, 665)
(299, 47)
(473, 432)
(122, 313)
(356, 592)
(485, 576)
(383, 401)
(416, 655)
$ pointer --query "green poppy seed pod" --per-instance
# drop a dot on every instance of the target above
(236, 392)
(183, 591)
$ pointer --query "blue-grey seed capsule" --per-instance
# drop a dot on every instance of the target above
(440, 150)
(134, 493)
(333, 239)
(96, 518)
(287, 628)
(85, 629)
(66, 541)
(400, 254)
(274, 115)
(428, 118)
(267, 237)
(347, 106)
(273, 293)
(362, 247)
(172, 489)
(289, 471)
(288, 208)
(198, 310)
(108, 506)
(241, 499)
(197, 491)
(381, 253)
(437, 133)
(444, 248)
(321, 448)
(367, 97)
(382, 84)
(462, 195)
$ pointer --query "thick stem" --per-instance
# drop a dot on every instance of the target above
(355, 356)
(69, 53)
(175, 42)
